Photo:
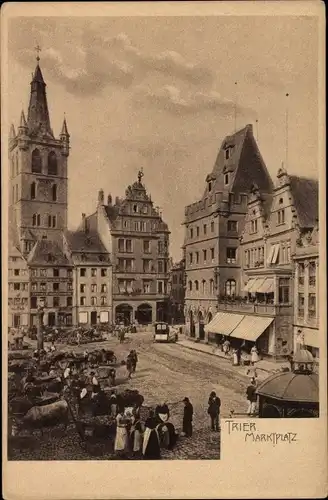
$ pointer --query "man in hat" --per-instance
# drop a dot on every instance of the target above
(188, 412)
(214, 405)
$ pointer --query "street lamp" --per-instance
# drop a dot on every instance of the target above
(40, 324)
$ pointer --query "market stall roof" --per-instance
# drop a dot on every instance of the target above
(223, 323)
(251, 327)
(292, 387)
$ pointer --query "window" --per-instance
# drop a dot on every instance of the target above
(146, 286)
(69, 273)
(93, 301)
(93, 272)
(196, 285)
(301, 269)
(121, 245)
(212, 227)
(226, 179)
(103, 301)
(69, 301)
(34, 287)
(16, 286)
(34, 302)
(55, 286)
(69, 287)
(212, 254)
(103, 272)
(54, 192)
(52, 163)
(125, 286)
(203, 286)
(94, 288)
(160, 266)
(34, 272)
(232, 225)
(43, 272)
(273, 254)
(197, 257)
(34, 220)
(300, 309)
(146, 246)
(33, 190)
(190, 285)
(281, 216)
(254, 226)
(82, 301)
(54, 221)
(38, 220)
(49, 221)
(204, 256)
(288, 255)
(246, 257)
(228, 153)
(146, 266)
(103, 288)
(231, 255)
(56, 302)
(143, 226)
(284, 290)
(128, 246)
(160, 287)
(83, 272)
(36, 162)
(230, 288)
(135, 208)
(211, 286)
(191, 232)
(190, 258)
(160, 247)
(205, 229)
(197, 231)
(312, 305)
(82, 288)
(312, 274)
(137, 226)
(16, 272)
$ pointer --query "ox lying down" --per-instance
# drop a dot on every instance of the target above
(39, 417)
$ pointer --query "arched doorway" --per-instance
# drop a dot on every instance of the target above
(201, 325)
(192, 324)
(123, 312)
(144, 314)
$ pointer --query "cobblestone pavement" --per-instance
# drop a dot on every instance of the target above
(165, 372)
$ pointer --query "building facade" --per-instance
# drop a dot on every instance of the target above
(135, 235)
(177, 292)
(92, 276)
(263, 310)
(214, 224)
(306, 293)
(18, 290)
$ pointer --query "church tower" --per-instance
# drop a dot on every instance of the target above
(38, 173)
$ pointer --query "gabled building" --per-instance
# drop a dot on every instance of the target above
(213, 226)
(136, 237)
(92, 276)
(18, 289)
(38, 182)
(262, 311)
(177, 292)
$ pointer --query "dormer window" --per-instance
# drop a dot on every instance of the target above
(135, 208)
(228, 152)
(209, 187)
(226, 179)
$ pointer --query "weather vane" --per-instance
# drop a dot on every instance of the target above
(38, 50)
(140, 175)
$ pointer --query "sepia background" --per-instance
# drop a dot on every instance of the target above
(168, 113)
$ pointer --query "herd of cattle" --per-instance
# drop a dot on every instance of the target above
(40, 396)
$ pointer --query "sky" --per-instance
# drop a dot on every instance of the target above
(160, 93)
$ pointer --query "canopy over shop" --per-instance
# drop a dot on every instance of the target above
(238, 327)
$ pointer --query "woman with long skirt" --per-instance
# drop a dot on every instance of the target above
(151, 445)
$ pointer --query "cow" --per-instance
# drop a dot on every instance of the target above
(51, 415)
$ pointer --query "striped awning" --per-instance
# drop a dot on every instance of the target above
(267, 286)
(251, 327)
(223, 323)
(249, 284)
(256, 285)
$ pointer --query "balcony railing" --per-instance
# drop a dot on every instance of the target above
(256, 308)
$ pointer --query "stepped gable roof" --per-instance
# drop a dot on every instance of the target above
(305, 193)
(84, 242)
(47, 253)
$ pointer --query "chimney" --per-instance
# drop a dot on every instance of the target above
(109, 200)
(101, 197)
(84, 223)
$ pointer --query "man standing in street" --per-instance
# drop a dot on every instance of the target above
(251, 398)
(187, 418)
(214, 404)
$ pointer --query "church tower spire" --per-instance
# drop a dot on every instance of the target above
(38, 120)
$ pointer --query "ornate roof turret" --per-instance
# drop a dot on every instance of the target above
(64, 131)
(12, 133)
